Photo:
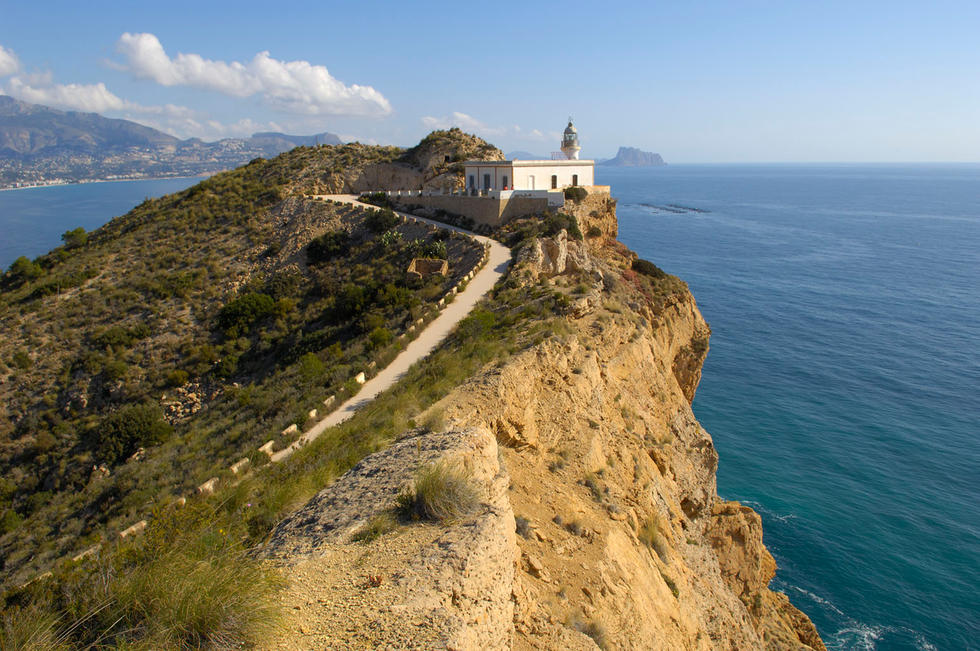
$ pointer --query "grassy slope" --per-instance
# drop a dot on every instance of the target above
(119, 320)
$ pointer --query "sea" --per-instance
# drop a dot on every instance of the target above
(32, 220)
(842, 386)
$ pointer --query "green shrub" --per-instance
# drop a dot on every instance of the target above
(120, 433)
(177, 377)
(647, 268)
(8, 522)
(388, 239)
(575, 193)
(378, 525)
(328, 246)
(120, 337)
(429, 249)
(379, 221)
(375, 198)
(380, 337)
(20, 359)
(443, 492)
(114, 369)
(593, 231)
(23, 270)
(555, 222)
(243, 312)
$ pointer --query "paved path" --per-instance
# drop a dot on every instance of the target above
(426, 341)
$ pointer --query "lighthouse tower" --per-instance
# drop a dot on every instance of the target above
(569, 142)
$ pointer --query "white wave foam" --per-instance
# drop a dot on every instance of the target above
(820, 600)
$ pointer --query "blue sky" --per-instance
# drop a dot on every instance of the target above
(695, 81)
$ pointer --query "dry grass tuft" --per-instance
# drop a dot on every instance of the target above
(443, 492)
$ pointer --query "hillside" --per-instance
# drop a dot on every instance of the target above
(39, 145)
(210, 319)
(538, 482)
(633, 157)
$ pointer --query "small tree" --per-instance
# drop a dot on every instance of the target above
(23, 269)
(122, 432)
(75, 238)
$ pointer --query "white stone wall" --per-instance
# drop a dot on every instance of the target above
(542, 175)
(529, 175)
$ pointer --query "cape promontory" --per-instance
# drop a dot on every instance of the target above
(537, 480)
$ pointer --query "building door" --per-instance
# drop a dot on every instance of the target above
(530, 182)
(486, 181)
(472, 184)
(504, 185)
(574, 179)
(554, 181)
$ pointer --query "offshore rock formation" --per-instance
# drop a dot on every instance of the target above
(633, 157)
(587, 441)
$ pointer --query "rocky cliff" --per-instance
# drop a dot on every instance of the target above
(585, 443)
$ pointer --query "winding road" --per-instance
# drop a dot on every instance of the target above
(427, 340)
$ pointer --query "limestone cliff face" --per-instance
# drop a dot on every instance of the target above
(626, 536)
(624, 542)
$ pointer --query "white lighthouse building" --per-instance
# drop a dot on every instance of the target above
(532, 176)
(569, 142)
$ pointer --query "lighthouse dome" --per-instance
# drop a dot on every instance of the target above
(570, 129)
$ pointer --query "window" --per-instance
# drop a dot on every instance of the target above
(554, 181)
(472, 183)
(505, 182)
(574, 179)
(486, 181)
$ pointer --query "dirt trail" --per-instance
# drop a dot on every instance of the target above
(428, 339)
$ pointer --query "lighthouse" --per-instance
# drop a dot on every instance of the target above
(569, 142)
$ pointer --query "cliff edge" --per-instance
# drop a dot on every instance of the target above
(600, 525)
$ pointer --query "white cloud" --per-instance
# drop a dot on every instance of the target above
(96, 98)
(93, 98)
(9, 64)
(293, 86)
(463, 121)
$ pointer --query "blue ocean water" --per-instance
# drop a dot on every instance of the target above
(33, 219)
(842, 387)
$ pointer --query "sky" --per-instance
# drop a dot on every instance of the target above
(705, 81)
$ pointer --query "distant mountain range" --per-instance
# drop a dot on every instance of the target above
(633, 157)
(40, 145)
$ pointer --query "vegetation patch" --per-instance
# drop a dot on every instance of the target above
(649, 534)
(378, 525)
(442, 492)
